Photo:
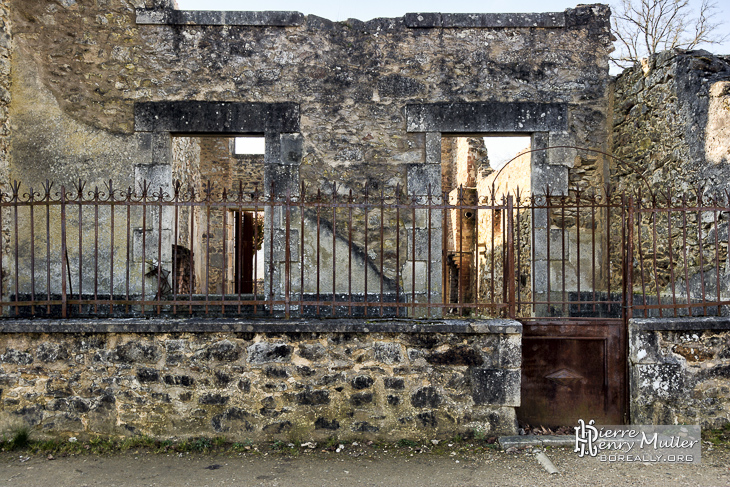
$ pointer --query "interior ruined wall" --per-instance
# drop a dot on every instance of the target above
(670, 124)
(493, 187)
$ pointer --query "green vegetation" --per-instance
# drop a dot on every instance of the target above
(467, 443)
(718, 437)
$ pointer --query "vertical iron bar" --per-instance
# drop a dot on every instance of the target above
(255, 247)
(271, 251)
(224, 238)
(656, 214)
(64, 261)
(518, 229)
(191, 258)
(159, 253)
(608, 236)
(334, 246)
(365, 209)
(460, 204)
(175, 238)
(593, 252)
(81, 224)
(144, 246)
(32, 254)
(96, 250)
(629, 263)
(563, 204)
(533, 203)
(547, 226)
(445, 282)
(129, 250)
(302, 202)
(111, 248)
(717, 258)
(510, 258)
(700, 205)
(641, 253)
(319, 209)
(287, 256)
(397, 250)
(382, 247)
(48, 251)
(16, 250)
(671, 253)
(349, 254)
(413, 257)
(207, 246)
(429, 262)
(577, 247)
(684, 247)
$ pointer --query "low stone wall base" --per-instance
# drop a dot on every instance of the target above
(259, 381)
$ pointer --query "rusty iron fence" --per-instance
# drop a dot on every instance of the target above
(334, 253)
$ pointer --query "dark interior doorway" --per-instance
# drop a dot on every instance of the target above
(244, 252)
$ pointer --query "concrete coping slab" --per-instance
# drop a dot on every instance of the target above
(680, 324)
(212, 17)
(214, 325)
(485, 20)
(523, 441)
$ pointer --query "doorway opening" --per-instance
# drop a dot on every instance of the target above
(218, 241)
(471, 177)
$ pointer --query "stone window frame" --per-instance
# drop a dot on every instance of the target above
(156, 122)
(545, 123)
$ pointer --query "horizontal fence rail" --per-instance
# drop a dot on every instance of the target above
(331, 253)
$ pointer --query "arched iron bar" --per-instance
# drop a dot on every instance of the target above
(596, 151)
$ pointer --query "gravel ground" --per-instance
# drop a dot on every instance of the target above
(352, 466)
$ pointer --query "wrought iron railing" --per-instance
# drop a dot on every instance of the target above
(334, 253)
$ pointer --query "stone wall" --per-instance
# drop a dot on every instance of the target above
(670, 119)
(5, 99)
(670, 123)
(679, 371)
(351, 78)
(260, 381)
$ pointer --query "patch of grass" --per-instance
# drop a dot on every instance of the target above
(141, 441)
(332, 442)
(718, 437)
(99, 445)
(20, 438)
(278, 445)
(407, 443)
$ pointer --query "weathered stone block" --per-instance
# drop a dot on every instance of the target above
(495, 386)
(361, 382)
(426, 397)
(388, 353)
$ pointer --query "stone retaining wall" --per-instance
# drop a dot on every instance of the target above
(260, 381)
(679, 371)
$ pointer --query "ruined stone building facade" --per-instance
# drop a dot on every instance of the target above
(138, 99)
(132, 91)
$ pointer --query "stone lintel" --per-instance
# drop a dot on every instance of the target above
(214, 17)
(487, 117)
(485, 20)
(198, 325)
(216, 117)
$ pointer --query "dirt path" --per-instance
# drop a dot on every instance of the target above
(342, 469)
